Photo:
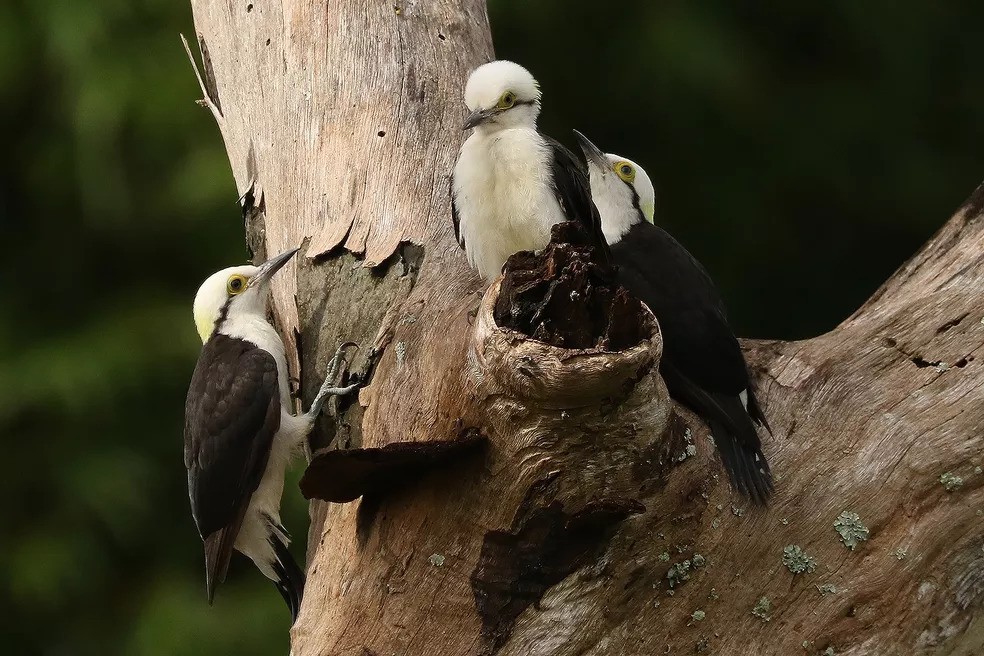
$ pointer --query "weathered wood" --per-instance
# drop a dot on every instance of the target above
(600, 521)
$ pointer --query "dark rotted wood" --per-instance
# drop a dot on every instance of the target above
(543, 547)
(567, 296)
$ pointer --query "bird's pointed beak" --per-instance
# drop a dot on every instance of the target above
(270, 267)
(592, 153)
(478, 117)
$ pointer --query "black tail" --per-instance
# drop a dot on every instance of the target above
(734, 433)
(290, 578)
(747, 468)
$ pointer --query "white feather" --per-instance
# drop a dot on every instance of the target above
(502, 189)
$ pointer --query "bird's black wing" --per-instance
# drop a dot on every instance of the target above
(232, 414)
(455, 217)
(573, 191)
(702, 363)
(676, 287)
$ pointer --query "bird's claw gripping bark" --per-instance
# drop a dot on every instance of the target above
(328, 388)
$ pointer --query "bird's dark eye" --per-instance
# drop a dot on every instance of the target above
(625, 171)
(507, 100)
(236, 284)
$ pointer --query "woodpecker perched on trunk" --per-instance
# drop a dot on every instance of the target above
(702, 363)
(511, 184)
(240, 432)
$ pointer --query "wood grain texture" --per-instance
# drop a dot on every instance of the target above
(596, 493)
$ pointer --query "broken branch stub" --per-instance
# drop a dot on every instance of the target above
(340, 476)
(578, 434)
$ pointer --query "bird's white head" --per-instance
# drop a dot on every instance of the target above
(620, 188)
(501, 95)
(235, 292)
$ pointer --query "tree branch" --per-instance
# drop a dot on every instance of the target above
(600, 520)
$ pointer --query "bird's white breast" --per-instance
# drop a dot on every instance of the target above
(503, 191)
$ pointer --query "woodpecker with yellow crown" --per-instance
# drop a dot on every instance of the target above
(240, 432)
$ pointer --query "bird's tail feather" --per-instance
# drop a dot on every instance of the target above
(747, 470)
(290, 578)
(734, 432)
(218, 553)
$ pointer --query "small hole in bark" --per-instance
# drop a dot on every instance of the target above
(441, 36)
(889, 342)
(919, 362)
(381, 133)
(268, 42)
(961, 363)
(249, 8)
(950, 324)
(852, 611)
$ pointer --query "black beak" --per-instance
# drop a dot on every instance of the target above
(478, 117)
(592, 153)
(270, 267)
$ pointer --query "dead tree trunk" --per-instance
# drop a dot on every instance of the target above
(595, 518)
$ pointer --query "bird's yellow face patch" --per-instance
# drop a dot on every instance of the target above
(625, 171)
(205, 322)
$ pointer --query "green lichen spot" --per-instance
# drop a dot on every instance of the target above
(736, 511)
(698, 616)
(798, 561)
(715, 523)
(951, 482)
(678, 573)
(437, 560)
(826, 589)
(763, 609)
(689, 450)
(829, 651)
(900, 553)
(713, 594)
(698, 560)
(851, 530)
(664, 557)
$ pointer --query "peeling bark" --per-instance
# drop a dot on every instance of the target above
(598, 520)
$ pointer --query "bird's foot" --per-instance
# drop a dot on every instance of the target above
(329, 387)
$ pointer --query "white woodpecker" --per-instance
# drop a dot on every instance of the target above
(240, 432)
(511, 183)
(702, 362)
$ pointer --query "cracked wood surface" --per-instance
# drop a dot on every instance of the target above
(594, 495)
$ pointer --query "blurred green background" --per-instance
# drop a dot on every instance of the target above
(801, 153)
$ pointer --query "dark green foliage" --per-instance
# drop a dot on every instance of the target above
(801, 153)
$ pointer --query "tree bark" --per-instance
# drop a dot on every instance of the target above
(597, 518)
